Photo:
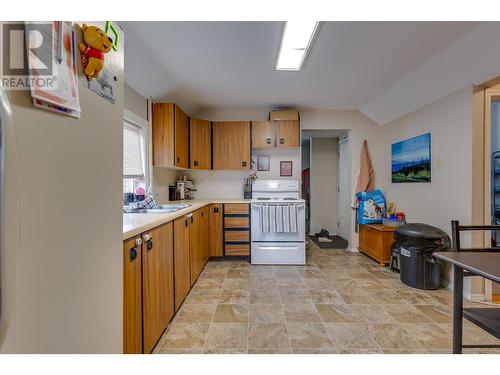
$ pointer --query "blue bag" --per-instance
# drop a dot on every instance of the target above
(371, 207)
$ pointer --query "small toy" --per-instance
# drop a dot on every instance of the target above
(96, 44)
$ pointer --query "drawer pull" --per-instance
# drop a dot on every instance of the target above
(133, 253)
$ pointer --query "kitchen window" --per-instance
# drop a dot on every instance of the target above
(135, 156)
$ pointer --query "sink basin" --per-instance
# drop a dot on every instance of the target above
(161, 209)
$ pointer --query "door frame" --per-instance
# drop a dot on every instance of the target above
(490, 95)
(346, 185)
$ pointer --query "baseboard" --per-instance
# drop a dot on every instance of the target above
(479, 297)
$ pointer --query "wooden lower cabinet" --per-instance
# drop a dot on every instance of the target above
(205, 235)
(216, 230)
(194, 246)
(236, 229)
(148, 288)
(199, 246)
(157, 283)
(182, 268)
(159, 268)
(375, 240)
(132, 296)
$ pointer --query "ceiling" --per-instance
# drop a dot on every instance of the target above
(202, 65)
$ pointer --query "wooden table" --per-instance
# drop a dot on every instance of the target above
(486, 265)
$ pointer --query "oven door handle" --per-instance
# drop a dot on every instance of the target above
(274, 247)
(275, 204)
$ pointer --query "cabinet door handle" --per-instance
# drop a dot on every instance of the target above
(216, 210)
(133, 253)
(202, 213)
(282, 141)
(243, 163)
(192, 219)
(195, 163)
(268, 141)
(178, 159)
(186, 223)
(149, 244)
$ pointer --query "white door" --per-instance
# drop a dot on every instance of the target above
(344, 209)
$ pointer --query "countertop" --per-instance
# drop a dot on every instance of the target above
(134, 224)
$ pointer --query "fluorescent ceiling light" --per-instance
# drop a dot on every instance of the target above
(296, 41)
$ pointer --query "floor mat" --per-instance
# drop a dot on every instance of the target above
(337, 242)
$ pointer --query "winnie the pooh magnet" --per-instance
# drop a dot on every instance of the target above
(96, 44)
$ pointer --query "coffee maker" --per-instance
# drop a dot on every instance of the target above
(185, 189)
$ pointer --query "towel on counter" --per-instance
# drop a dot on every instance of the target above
(280, 218)
(149, 202)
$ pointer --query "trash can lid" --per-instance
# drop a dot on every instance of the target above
(420, 230)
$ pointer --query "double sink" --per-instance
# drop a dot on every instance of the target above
(161, 209)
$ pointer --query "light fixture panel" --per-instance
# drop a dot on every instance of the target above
(295, 44)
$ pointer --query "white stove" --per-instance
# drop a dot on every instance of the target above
(277, 223)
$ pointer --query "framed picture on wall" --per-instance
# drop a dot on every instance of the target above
(411, 160)
(263, 162)
(286, 168)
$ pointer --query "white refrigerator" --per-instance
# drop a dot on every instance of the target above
(61, 232)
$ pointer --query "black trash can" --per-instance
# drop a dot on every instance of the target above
(416, 242)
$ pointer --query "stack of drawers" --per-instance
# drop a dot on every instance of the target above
(236, 229)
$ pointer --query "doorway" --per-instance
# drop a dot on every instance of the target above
(492, 176)
(486, 179)
(326, 185)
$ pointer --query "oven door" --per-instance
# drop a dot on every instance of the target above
(293, 253)
(259, 236)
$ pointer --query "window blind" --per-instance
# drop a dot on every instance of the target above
(132, 152)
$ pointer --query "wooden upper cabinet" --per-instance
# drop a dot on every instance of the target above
(157, 283)
(181, 138)
(200, 144)
(288, 133)
(231, 145)
(132, 296)
(263, 134)
(170, 136)
(163, 134)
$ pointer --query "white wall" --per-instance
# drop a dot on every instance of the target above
(324, 184)
(471, 59)
(162, 177)
(135, 102)
(275, 156)
(217, 184)
(359, 128)
(449, 194)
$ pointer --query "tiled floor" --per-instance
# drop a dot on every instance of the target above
(340, 302)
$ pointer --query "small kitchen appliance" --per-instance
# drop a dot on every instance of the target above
(185, 188)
